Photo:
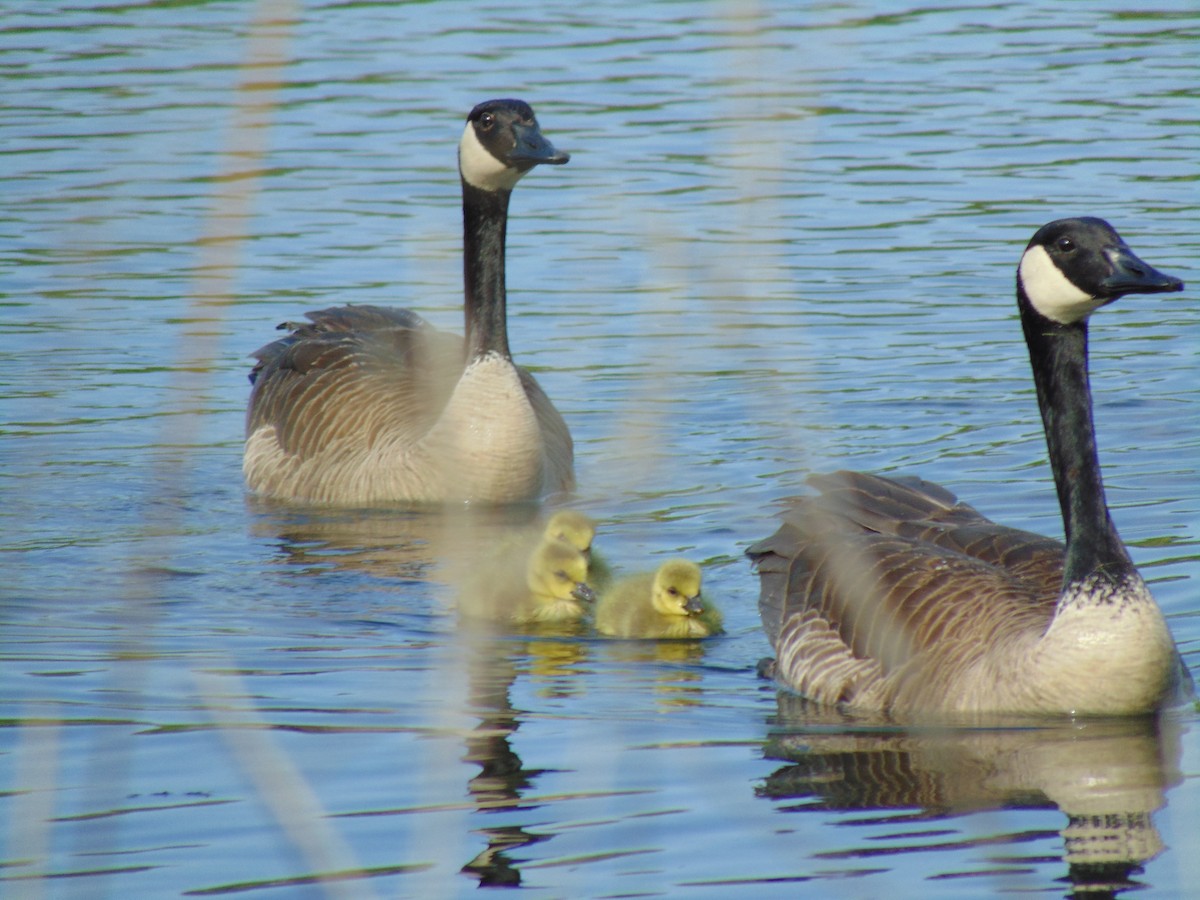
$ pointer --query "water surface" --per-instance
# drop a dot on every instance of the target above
(785, 243)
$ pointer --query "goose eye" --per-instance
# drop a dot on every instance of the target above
(486, 121)
(1065, 244)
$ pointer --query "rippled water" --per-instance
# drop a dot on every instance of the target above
(785, 243)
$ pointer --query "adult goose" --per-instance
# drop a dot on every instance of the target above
(364, 404)
(888, 595)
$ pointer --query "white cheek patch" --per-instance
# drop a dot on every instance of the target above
(480, 168)
(1050, 291)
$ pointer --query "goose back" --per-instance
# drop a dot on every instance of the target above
(888, 593)
(367, 404)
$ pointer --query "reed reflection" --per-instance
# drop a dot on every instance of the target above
(1106, 776)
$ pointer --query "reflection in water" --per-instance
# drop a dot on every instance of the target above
(553, 662)
(673, 668)
(1106, 776)
(503, 780)
(777, 205)
(460, 546)
(457, 545)
(407, 544)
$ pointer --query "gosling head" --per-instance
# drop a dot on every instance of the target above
(573, 527)
(558, 572)
(501, 142)
(676, 590)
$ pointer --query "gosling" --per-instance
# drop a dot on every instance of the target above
(661, 604)
(579, 530)
(554, 590)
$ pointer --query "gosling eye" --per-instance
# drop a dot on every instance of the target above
(561, 575)
(1065, 244)
(674, 592)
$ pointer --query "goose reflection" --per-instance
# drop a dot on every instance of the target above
(459, 549)
(411, 544)
(495, 662)
(1107, 777)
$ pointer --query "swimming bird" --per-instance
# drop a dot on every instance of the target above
(367, 404)
(661, 604)
(887, 594)
(553, 589)
(579, 530)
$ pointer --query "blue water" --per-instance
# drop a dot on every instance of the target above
(784, 243)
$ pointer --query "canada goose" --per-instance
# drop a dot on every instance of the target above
(366, 404)
(551, 588)
(889, 595)
(661, 604)
(578, 530)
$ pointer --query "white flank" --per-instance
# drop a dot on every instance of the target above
(480, 168)
(1050, 291)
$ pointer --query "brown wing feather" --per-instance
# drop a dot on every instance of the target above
(899, 573)
(928, 513)
(353, 371)
(355, 376)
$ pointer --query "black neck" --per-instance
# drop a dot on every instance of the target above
(1058, 354)
(485, 217)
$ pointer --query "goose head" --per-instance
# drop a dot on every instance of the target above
(557, 572)
(573, 527)
(1071, 267)
(501, 142)
(676, 590)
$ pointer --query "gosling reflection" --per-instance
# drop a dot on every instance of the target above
(1107, 777)
(670, 669)
(498, 789)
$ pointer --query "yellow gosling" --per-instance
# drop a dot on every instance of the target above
(579, 530)
(552, 588)
(572, 526)
(661, 604)
(557, 586)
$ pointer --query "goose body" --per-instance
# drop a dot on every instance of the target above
(551, 587)
(365, 404)
(665, 603)
(889, 595)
